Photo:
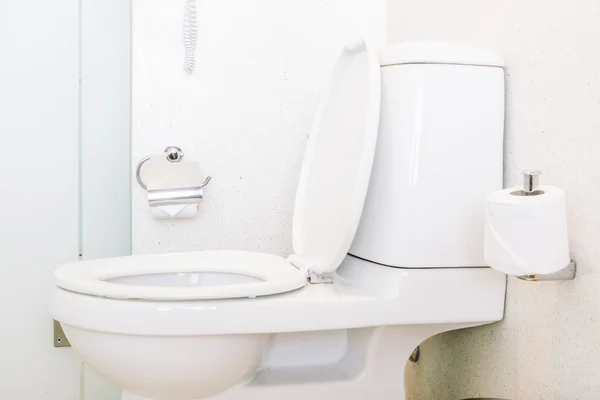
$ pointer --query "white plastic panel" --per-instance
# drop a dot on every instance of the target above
(38, 193)
(105, 222)
(105, 177)
(439, 155)
(338, 161)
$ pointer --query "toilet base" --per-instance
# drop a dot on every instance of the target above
(371, 367)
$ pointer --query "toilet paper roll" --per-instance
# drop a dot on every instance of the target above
(174, 212)
(526, 235)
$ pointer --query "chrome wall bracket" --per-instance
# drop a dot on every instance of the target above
(566, 274)
(60, 340)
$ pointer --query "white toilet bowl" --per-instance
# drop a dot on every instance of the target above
(321, 324)
(173, 340)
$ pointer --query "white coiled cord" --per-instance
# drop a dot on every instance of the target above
(190, 34)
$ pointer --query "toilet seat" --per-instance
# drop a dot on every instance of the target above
(276, 275)
(332, 188)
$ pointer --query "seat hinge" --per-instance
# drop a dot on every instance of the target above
(312, 276)
(315, 278)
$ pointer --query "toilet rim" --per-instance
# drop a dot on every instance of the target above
(341, 305)
(276, 275)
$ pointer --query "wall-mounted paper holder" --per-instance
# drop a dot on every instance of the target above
(566, 274)
(171, 196)
(525, 226)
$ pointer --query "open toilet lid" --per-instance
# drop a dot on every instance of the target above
(337, 164)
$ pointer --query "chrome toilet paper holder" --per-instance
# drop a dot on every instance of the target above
(174, 196)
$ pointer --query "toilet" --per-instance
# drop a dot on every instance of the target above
(387, 251)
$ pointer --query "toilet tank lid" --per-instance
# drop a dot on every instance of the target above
(439, 53)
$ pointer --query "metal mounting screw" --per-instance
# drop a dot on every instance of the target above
(174, 154)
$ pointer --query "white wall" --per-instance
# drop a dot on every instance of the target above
(38, 190)
(547, 346)
(244, 114)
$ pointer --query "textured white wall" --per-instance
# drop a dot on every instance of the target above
(547, 346)
(244, 114)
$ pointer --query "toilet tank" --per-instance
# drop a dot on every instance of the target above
(439, 154)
